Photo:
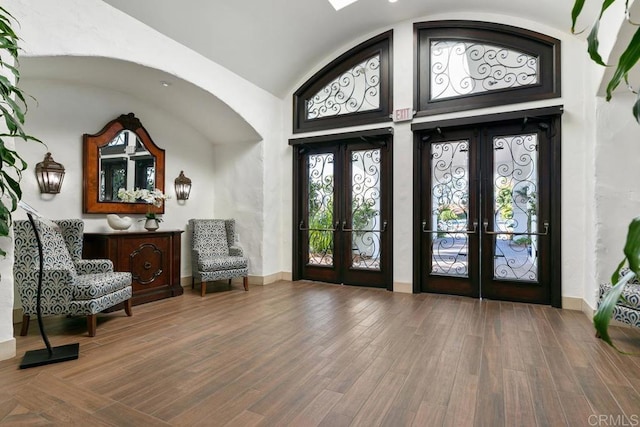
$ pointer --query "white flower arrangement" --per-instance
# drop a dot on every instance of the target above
(153, 198)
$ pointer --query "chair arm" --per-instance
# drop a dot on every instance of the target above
(90, 266)
(235, 250)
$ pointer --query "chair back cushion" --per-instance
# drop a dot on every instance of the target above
(54, 250)
(72, 231)
(209, 237)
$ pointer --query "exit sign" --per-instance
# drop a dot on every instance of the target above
(402, 114)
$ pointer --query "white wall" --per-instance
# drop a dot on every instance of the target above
(253, 182)
(617, 177)
(7, 342)
(65, 111)
(85, 28)
(578, 140)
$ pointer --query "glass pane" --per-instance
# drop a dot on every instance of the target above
(515, 196)
(356, 90)
(449, 207)
(461, 68)
(320, 220)
(365, 209)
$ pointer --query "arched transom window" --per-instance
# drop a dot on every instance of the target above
(353, 89)
(463, 65)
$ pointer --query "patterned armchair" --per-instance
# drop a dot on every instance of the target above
(70, 284)
(213, 253)
(627, 310)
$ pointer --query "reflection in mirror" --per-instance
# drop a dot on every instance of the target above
(121, 155)
(125, 163)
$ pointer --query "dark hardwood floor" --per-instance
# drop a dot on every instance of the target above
(306, 354)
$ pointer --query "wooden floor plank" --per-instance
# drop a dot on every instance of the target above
(517, 399)
(314, 412)
(461, 406)
(307, 353)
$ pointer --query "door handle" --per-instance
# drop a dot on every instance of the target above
(507, 233)
(473, 231)
(344, 225)
(302, 228)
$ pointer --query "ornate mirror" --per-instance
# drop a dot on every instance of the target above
(121, 155)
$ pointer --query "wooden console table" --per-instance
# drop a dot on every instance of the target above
(153, 258)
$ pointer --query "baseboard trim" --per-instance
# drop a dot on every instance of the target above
(271, 278)
(403, 287)
(17, 315)
(587, 309)
(590, 311)
(572, 303)
(253, 280)
(8, 349)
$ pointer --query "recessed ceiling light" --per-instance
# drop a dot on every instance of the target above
(339, 4)
(392, 1)
(164, 83)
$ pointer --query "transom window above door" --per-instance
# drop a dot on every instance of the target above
(356, 90)
(463, 65)
(461, 68)
(353, 89)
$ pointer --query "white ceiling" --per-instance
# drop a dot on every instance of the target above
(184, 100)
(275, 43)
(272, 43)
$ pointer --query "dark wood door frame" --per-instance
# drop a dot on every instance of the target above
(550, 119)
(304, 145)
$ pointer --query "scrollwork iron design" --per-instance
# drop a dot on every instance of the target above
(462, 68)
(449, 207)
(356, 90)
(366, 226)
(320, 209)
(515, 182)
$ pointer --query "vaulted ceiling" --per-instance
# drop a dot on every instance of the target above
(275, 43)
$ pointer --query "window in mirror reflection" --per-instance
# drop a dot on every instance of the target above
(125, 163)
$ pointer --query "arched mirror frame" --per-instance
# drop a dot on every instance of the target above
(91, 166)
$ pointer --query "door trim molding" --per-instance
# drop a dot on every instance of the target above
(553, 114)
(333, 137)
(489, 118)
(300, 146)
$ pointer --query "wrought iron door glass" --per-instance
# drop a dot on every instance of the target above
(321, 214)
(366, 224)
(515, 218)
(449, 208)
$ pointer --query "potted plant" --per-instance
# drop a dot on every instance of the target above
(626, 61)
(154, 198)
(13, 108)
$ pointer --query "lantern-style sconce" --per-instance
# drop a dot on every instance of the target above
(183, 186)
(50, 175)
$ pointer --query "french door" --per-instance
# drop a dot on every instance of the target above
(342, 212)
(487, 216)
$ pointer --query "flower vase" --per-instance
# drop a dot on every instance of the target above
(151, 224)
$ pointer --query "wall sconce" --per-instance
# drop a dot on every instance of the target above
(50, 175)
(183, 186)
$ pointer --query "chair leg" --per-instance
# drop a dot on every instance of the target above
(92, 321)
(25, 325)
(203, 288)
(192, 282)
(127, 307)
(245, 282)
